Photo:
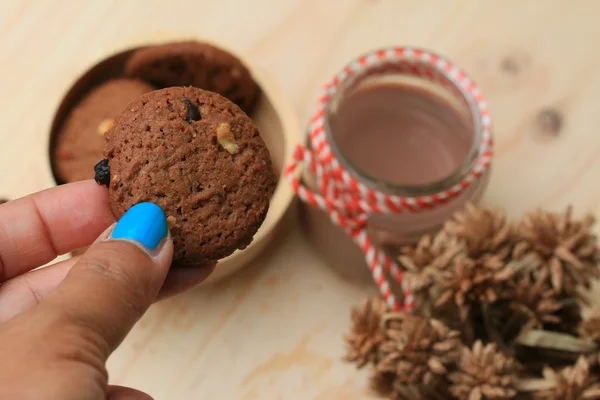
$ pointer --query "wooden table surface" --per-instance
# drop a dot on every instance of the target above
(274, 331)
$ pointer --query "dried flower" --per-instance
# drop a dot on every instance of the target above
(424, 262)
(382, 383)
(570, 383)
(515, 287)
(366, 334)
(483, 230)
(416, 349)
(565, 246)
(484, 373)
(538, 303)
(468, 281)
(590, 327)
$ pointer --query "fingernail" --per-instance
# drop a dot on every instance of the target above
(144, 223)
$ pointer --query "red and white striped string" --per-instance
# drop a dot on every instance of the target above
(349, 202)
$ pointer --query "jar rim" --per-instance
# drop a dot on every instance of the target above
(431, 67)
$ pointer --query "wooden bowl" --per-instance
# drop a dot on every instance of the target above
(273, 115)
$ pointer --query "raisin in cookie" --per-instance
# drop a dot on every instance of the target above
(201, 159)
(195, 64)
(80, 142)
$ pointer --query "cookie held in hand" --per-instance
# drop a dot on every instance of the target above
(201, 159)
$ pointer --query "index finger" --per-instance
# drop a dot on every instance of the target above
(37, 228)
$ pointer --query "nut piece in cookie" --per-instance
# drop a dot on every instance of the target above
(201, 159)
(195, 64)
(105, 125)
(226, 139)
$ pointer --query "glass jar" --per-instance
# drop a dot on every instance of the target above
(407, 134)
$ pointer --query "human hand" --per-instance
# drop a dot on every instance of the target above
(59, 324)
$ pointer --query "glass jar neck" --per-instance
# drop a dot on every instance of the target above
(403, 134)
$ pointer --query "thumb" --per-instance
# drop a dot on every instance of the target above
(125, 393)
(118, 278)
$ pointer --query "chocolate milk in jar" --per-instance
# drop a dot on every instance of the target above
(400, 141)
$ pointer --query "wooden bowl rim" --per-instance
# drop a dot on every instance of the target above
(292, 133)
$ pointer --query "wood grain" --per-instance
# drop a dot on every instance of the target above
(274, 331)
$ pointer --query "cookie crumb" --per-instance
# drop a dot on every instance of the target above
(116, 178)
(2, 201)
(105, 125)
(226, 139)
(171, 221)
(193, 114)
(102, 176)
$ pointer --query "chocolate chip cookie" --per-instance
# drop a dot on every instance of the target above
(79, 143)
(201, 159)
(195, 64)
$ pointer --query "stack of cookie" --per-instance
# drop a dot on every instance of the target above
(79, 142)
(172, 129)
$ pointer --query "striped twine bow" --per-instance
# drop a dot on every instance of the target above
(347, 201)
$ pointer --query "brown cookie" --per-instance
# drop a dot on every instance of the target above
(195, 64)
(79, 143)
(201, 159)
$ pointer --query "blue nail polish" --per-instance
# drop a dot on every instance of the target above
(144, 223)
